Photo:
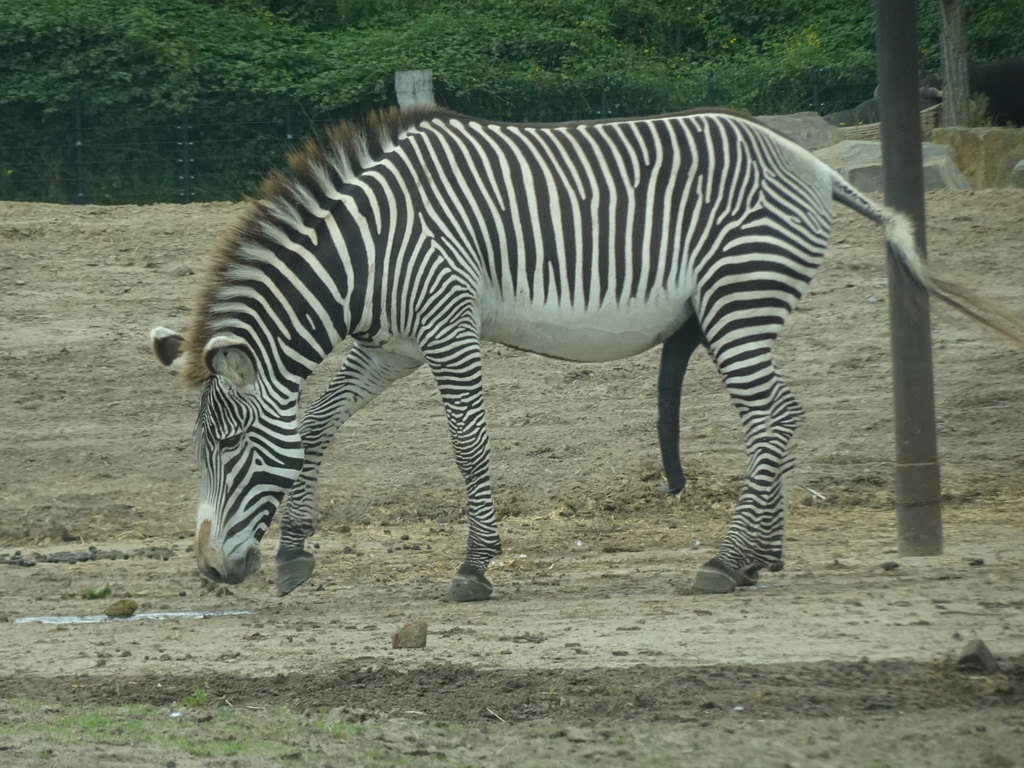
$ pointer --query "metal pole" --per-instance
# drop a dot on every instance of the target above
(918, 492)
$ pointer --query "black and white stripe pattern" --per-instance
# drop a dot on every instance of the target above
(585, 241)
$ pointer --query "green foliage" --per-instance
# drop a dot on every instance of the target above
(197, 698)
(151, 53)
(108, 101)
(329, 54)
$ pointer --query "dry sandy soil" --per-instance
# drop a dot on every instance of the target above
(591, 651)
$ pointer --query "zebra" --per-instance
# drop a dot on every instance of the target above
(295, 563)
(420, 233)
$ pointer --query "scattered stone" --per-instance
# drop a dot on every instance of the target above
(122, 608)
(412, 635)
(977, 657)
(67, 558)
(860, 163)
(17, 559)
(97, 593)
(84, 556)
(154, 553)
(890, 565)
(576, 735)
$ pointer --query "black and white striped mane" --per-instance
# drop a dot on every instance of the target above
(330, 160)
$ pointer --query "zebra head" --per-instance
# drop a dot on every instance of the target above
(248, 451)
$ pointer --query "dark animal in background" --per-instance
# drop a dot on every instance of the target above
(1000, 82)
(867, 112)
(1002, 85)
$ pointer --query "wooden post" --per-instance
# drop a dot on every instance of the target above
(414, 86)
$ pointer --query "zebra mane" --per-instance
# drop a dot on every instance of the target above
(315, 172)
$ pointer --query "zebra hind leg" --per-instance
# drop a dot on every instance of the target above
(675, 356)
(770, 416)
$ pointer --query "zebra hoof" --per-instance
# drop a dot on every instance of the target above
(717, 578)
(293, 568)
(469, 585)
(676, 484)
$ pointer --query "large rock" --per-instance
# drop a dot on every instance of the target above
(860, 163)
(808, 129)
(986, 156)
(1017, 175)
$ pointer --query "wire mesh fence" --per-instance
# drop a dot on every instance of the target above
(216, 151)
(226, 144)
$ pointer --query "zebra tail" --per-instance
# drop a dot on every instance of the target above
(899, 234)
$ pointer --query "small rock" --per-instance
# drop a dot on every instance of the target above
(122, 608)
(576, 735)
(890, 565)
(412, 635)
(977, 657)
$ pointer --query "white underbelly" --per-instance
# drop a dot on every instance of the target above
(595, 334)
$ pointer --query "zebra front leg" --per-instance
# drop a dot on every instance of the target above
(770, 416)
(365, 373)
(675, 356)
(294, 562)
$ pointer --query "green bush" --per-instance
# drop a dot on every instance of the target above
(107, 101)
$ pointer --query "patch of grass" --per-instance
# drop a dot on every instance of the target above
(220, 732)
(197, 698)
(342, 729)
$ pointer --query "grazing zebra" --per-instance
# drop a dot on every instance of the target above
(424, 232)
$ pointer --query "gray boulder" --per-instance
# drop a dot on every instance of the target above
(808, 129)
(860, 163)
(1017, 175)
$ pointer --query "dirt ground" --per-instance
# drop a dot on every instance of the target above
(591, 651)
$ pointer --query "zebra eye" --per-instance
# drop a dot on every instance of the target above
(230, 443)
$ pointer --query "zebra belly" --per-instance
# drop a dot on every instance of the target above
(592, 334)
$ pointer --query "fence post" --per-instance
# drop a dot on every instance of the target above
(289, 124)
(414, 86)
(816, 89)
(79, 143)
(185, 160)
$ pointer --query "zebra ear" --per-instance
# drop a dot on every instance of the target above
(230, 357)
(167, 346)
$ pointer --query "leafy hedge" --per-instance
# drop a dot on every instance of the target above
(83, 84)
